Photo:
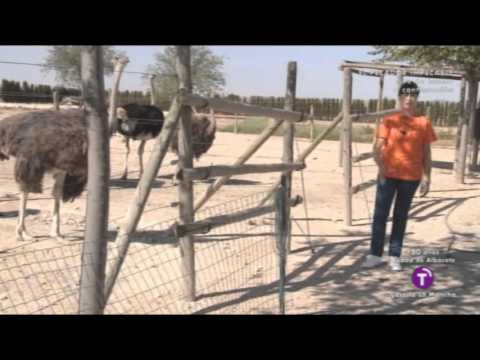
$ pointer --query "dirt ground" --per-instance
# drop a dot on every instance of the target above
(444, 226)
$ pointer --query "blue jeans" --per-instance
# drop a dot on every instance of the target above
(386, 190)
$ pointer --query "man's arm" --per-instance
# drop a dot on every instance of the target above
(427, 162)
(378, 155)
(427, 170)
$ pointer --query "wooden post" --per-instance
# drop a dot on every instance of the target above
(473, 129)
(282, 231)
(153, 99)
(185, 160)
(460, 123)
(312, 124)
(472, 105)
(379, 104)
(135, 210)
(119, 64)
(235, 126)
(94, 253)
(340, 148)
(462, 156)
(288, 139)
(347, 144)
(399, 84)
(428, 113)
(56, 103)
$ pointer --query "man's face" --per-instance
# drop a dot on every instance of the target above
(408, 102)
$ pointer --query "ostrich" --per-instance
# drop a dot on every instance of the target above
(203, 135)
(41, 142)
(138, 122)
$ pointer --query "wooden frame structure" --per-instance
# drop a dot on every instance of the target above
(465, 121)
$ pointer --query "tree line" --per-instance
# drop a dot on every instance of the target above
(24, 92)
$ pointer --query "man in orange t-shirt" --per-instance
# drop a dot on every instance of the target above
(402, 153)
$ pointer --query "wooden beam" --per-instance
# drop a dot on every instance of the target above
(241, 108)
(409, 70)
(207, 172)
(356, 117)
(366, 73)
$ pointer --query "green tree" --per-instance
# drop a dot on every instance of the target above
(65, 62)
(207, 72)
(463, 58)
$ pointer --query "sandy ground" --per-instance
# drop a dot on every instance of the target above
(444, 226)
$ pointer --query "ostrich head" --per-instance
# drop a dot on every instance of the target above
(123, 121)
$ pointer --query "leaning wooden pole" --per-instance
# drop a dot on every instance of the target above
(119, 64)
(347, 144)
(94, 253)
(288, 139)
(135, 210)
(185, 187)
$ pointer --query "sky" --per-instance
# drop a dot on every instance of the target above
(249, 71)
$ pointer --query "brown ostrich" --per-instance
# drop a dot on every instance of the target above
(46, 142)
(203, 135)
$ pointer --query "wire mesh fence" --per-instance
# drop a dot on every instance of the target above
(236, 271)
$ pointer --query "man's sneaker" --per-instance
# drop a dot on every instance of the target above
(395, 264)
(372, 261)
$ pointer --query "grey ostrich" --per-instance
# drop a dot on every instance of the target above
(138, 122)
(46, 142)
(203, 135)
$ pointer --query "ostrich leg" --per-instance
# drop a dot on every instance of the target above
(125, 167)
(21, 232)
(57, 193)
(141, 149)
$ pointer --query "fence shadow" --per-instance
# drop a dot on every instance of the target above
(132, 184)
(14, 213)
(445, 165)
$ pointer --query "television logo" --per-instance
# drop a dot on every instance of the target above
(422, 277)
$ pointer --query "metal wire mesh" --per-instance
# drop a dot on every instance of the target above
(236, 271)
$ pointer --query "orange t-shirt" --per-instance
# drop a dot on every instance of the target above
(403, 153)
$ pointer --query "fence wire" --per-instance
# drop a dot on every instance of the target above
(236, 271)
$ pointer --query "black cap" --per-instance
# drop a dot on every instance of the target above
(409, 88)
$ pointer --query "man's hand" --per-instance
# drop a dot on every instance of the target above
(424, 187)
